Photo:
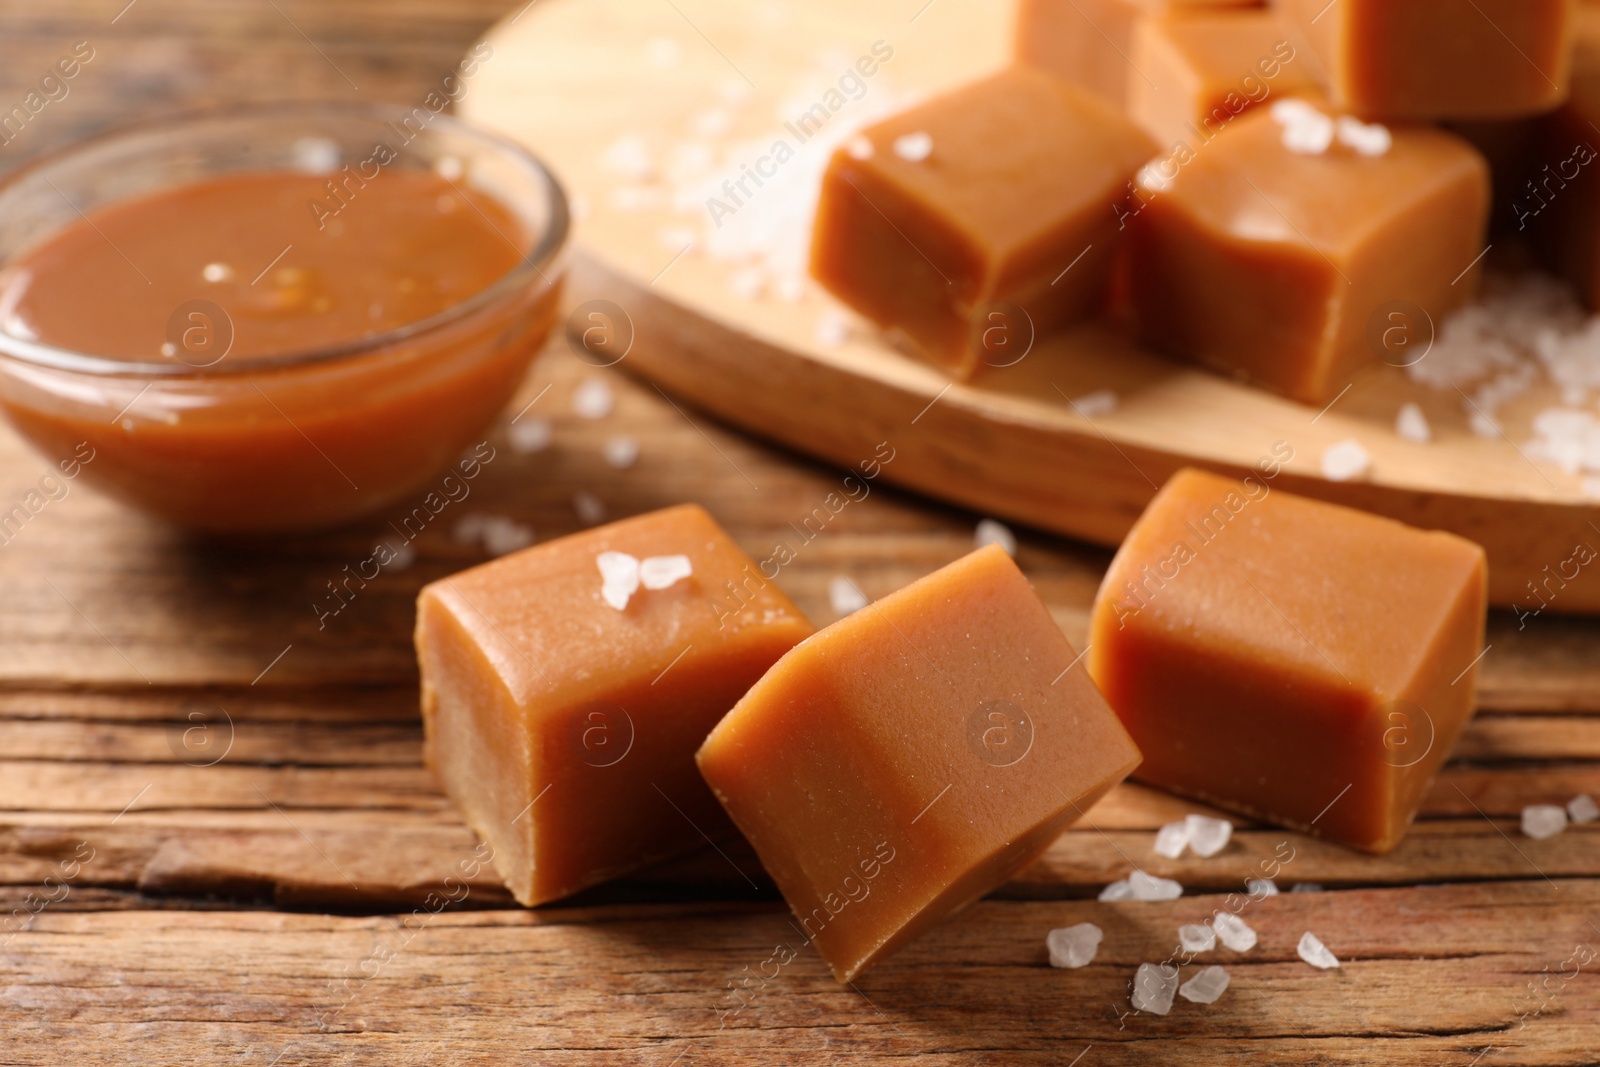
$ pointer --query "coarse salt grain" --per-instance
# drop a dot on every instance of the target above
(1412, 424)
(470, 527)
(1118, 890)
(1208, 836)
(1313, 951)
(1073, 946)
(1590, 487)
(859, 147)
(1154, 985)
(399, 558)
(630, 156)
(1543, 821)
(216, 272)
(621, 452)
(619, 578)
(1197, 937)
(1099, 402)
(1582, 808)
(1261, 887)
(1149, 887)
(748, 284)
(1345, 460)
(530, 435)
(990, 532)
(590, 509)
(1365, 138)
(1172, 839)
(1205, 987)
(1306, 131)
(593, 399)
(1306, 887)
(1233, 931)
(1150, 177)
(844, 596)
(914, 147)
(502, 536)
(660, 572)
(833, 328)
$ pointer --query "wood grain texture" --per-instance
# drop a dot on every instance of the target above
(262, 907)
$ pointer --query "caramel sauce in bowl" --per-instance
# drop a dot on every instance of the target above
(274, 318)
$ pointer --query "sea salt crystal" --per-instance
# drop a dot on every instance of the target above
(1197, 937)
(844, 596)
(502, 536)
(1582, 808)
(316, 155)
(1306, 887)
(791, 289)
(1073, 946)
(914, 147)
(621, 452)
(1568, 438)
(1412, 424)
(1542, 821)
(1118, 890)
(1483, 425)
(593, 399)
(1306, 131)
(399, 558)
(619, 578)
(1261, 887)
(859, 147)
(1205, 987)
(631, 157)
(1590, 487)
(1149, 887)
(1345, 460)
(530, 435)
(1234, 931)
(833, 328)
(748, 284)
(1172, 839)
(1099, 402)
(450, 168)
(1366, 138)
(1150, 177)
(216, 272)
(659, 572)
(990, 532)
(1208, 836)
(1154, 986)
(590, 509)
(470, 527)
(1313, 951)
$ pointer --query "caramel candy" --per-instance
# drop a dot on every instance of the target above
(1290, 660)
(564, 726)
(1270, 263)
(1089, 42)
(1557, 198)
(1205, 67)
(974, 222)
(1437, 59)
(912, 756)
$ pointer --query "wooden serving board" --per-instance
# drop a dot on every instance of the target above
(571, 77)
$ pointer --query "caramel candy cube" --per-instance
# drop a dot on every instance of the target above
(1267, 261)
(912, 756)
(1089, 42)
(1557, 196)
(564, 726)
(980, 219)
(1294, 661)
(1203, 68)
(1437, 59)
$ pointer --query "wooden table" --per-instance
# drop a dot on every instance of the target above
(218, 845)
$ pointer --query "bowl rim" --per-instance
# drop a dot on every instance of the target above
(551, 243)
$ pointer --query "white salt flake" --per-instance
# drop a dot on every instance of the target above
(1154, 986)
(748, 284)
(990, 532)
(631, 157)
(1306, 131)
(589, 508)
(1172, 839)
(593, 399)
(1205, 987)
(1365, 138)
(1099, 402)
(1234, 931)
(1590, 487)
(316, 155)
(1197, 937)
(790, 289)
(1582, 808)
(1074, 946)
(217, 273)
(1306, 887)
(1208, 836)
(859, 147)
(659, 572)
(619, 578)
(1150, 887)
(1482, 425)
(1543, 821)
(844, 596)
(833, 328)
(1313, 951)
(399, 558)
(914, 147)
(530, 435)
(621, 452)
(450, 168)
(1261, 887)
(470, 527)
(502, 536)
(1118, 890)
(1150, 177)
(1345, 460)
(1412, 424)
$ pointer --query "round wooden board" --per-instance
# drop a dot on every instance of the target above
(622, 97)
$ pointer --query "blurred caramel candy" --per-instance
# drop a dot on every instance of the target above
(979, 220)
(909, 758)
(1266, 258)
(1290, 660)
(1437, 59)
(1557, 194)
(565, 728)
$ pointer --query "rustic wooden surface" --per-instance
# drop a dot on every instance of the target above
(274, 907)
